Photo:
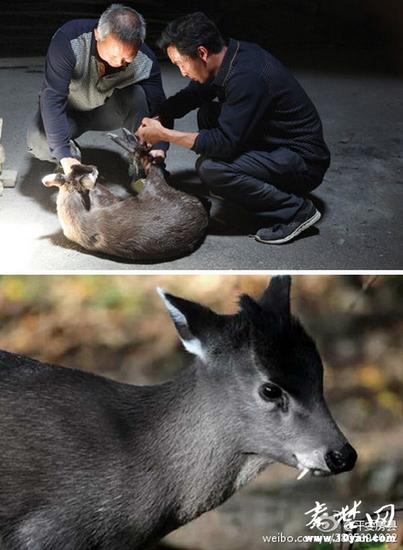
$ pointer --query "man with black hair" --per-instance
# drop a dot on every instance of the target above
(99, 75)
(260, 137)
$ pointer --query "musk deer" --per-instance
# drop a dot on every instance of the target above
(160, 223)
(87, 462)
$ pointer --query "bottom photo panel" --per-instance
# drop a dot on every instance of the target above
(201, 412)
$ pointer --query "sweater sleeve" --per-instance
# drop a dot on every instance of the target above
(60, 62)
(155, 94)
(188, 99)
(247, 100)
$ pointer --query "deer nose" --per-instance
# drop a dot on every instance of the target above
(342, 460)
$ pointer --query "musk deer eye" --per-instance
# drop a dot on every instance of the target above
(270, 392)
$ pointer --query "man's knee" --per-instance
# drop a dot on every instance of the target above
(211, 172)
(37, 143)
(133, 103)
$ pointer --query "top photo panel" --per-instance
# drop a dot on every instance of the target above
(265, 135)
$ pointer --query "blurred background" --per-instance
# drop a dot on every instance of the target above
(349, 33)
(117, 326)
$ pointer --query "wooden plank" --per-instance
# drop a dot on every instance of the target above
(8, 178)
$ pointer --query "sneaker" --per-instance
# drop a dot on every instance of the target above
(215, 196)
(281, 233)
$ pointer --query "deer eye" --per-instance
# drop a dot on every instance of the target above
(270, 392)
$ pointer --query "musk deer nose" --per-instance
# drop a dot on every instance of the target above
(341, 461)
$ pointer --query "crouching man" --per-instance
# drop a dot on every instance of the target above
(260, 137)
(99, 75)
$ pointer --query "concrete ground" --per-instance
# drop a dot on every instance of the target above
(361, 197)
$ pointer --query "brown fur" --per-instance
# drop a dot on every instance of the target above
(160, 223)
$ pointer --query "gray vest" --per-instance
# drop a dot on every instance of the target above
(87, 91)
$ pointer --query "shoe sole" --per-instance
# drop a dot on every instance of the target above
(308, 223)
(214, 196)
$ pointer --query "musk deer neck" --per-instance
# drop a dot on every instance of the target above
(72, 209)
(155, 175)
(202, 465)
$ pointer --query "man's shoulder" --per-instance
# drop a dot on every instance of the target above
(253, 59)
(252, 54)
(61, 45)
(76, 27)
(242, 64)
(149, 52)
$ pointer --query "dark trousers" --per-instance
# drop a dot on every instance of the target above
(124, 109)
(270, 183)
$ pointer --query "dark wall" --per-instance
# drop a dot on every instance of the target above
(286, 26)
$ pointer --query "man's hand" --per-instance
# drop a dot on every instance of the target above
(157, 154)
(67, 163)
(151, 131)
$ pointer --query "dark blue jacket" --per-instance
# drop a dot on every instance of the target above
(263, 107)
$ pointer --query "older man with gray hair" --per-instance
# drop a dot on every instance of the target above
(99, 75)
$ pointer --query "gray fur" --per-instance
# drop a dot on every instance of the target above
(88, 463)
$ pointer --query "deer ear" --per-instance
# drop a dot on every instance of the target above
(53, 180)
(89, 180)
(276, 297)
(191, 319)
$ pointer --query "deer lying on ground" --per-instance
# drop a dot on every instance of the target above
(160, 223)
(87, 462)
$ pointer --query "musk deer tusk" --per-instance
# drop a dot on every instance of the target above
(303, 473)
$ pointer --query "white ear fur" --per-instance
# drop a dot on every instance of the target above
(176, 315)
(192, 345)
(94, 175)
(49, 178)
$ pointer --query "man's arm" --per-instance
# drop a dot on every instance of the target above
(248, 100)
(186, 100)
(246, 104)
(151, 131)
(60, 61)
(155, 95)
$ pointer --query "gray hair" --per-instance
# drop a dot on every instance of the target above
(125, 23)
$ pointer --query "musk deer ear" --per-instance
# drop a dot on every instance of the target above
(53, 180)
(250, 307)
(191, 319)
(89, 180)
(276, 297)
